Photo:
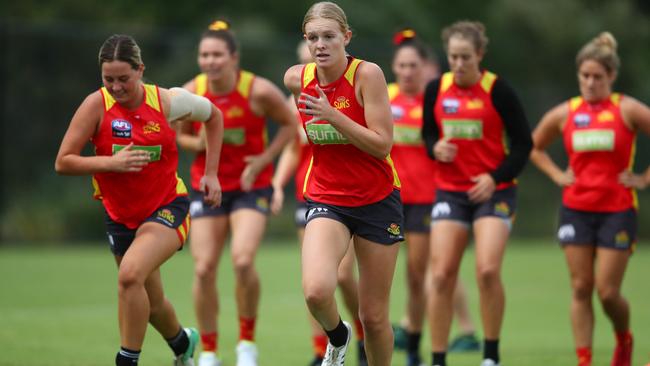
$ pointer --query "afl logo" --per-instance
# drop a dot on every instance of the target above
(582, 120)
(397, 111)
(121, 128)
(450, 105)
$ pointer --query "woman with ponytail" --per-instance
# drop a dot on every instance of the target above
(598, 216)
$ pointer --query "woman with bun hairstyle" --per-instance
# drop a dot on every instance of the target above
(598, 216)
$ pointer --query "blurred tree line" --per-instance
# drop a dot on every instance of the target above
(48, 64)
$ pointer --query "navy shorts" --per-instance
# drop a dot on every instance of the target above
(457, 206)
(301, 214)
(380, 222)
(257, 199)
(173, 215)
(417, 218)
(616, 230)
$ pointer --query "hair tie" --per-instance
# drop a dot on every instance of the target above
(403, 35)
(218, 25)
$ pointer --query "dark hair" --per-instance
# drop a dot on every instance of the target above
(408, 38)
(469, 30)
(120, 47)
(220, 29)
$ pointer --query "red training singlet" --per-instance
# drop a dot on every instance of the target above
(244, 134)
(129, 198)
(600, 147)
(304, 157)
(415, 169)
(467, 118)
(340, 173)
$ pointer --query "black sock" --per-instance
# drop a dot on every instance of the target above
(179, 342)
(439, 358)
(127, 357)
(413, 342)
(339, 335)
(491, 350)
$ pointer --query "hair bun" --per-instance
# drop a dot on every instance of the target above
(218, 25)
(606, 39)
(403, 35)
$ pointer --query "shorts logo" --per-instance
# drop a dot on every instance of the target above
(582, 120)
(622, 239)
(441, 209)
(450, 105)
(196, 208)
(316, 211)
(121, 128)
(566, 232)
(166, 216)
(394, 229)
(502, 209)
(151, 127)
(262, 203)
(397, 111)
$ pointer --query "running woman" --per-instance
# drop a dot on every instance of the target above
(134, 175)
(352, 189)
(467, 113)
(598, 216)
(245, 172)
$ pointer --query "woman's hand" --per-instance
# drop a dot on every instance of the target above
(211, 188)
(277, 200)
(318, 107)
(445, 151)
(129, 160)
(565, 178)
(483, 188)
(254, 165)
(631, 180)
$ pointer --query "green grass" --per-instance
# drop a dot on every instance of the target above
(58, 307)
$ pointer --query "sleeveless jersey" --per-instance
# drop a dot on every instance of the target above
(129, 198)
(339, 173)
(244, 134)
(415, 169)
(600, 147)
(304, 157)
(467, 117)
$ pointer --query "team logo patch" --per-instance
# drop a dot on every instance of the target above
(262, 203)
(121, 128)
(316, 211)
(325, 134)
(166, 216)
(394, 229)
(450, 105)
(397, 111)
(441, 209)
(196, 208)
(622, 239)
(593, 140)
(416, 113)
(234, 112)
(566, 232)
(502, 209)
(151, 127)
(582, 120)
(475, 104)
(605, 116)
(341, 102)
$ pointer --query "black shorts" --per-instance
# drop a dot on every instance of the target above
(417, 218)
(257, 199)
(301, 214)
(616, 230)
(457, 206)
(380, 222)
(174, 215)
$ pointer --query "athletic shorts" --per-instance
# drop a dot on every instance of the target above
(301, 214)
(174, 215)
(616, 230)
(456, 206)
(257, 199)
(417, 218)
(380, 222)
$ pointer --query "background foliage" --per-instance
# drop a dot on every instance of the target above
(48, 65)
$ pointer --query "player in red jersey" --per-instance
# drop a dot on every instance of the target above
(467, 113)
(598, 217)
(417, 174)
(294, 161)
(351, 185)
(134, 173)
(245, 172)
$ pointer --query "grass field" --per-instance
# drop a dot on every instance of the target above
(58, 307)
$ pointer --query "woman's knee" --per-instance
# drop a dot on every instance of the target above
(205, 271)
(582, 289)
(374, 319)
(243, 266)
(443, 280)
(129, 276)
(317, 295)
(609, 295)
(488, 277)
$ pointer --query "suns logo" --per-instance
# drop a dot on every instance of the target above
(234, 112)
(166, 215)
(151, 127)
(341, 102)
(605, 116)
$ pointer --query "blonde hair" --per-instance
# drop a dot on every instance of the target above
(469, 30)
(326, 10)
(601, 49)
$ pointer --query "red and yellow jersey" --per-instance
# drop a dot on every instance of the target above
(339, 173)
(600, 147)
(415, 169)
(129, 198)
(244, 134)
(467, 118)
(304, 157)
